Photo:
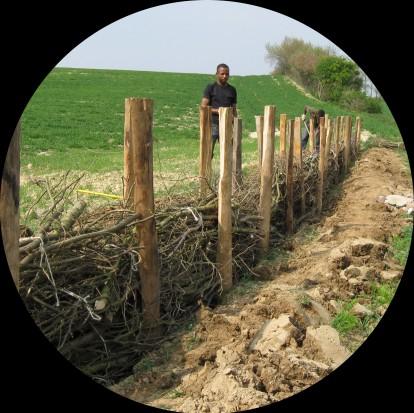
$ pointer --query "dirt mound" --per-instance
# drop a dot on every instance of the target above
(276, 340)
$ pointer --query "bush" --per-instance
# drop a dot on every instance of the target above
(358, 102)
(296, 59)
(337, 71)
(373, 105)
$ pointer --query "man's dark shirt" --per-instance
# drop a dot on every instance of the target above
(220, 97)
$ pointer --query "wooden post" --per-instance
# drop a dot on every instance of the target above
(328, 136)
(298, 158)
(329, 129)
(128, 160)
(337, 136)
(259, 133)
(347, 141)
(297, 146)
(322, 137)
(205, 149)
(9, 205)
(282, 136)
(342, 133)
(265, 205)
(224, 248)
(357, 133)
(289, 180)
(141, 138)
(237, 153)
(312, 145)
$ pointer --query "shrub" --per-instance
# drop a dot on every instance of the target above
(296, 58)
(373, 105)
(357, 101)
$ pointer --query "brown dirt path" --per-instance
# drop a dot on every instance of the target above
(275, 339)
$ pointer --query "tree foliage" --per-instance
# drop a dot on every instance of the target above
(336, 74)
(321, 72)
(296, 59)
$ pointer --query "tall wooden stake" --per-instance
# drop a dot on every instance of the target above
(357, 134)
(337, 136)
(265, 205)
(205, 149)
(9, 205)
(312, 144)
(128, 159)
(224, 248)
(297, 144)
(347, 142)
(289, 180)
(322, 136)
(237, 153)
(329, 130)
(282, 136)
(141, 113)
(298, 159)
(259, 133)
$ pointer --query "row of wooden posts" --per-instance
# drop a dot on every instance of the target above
(290, 151)
(139, 191)
(138, 178)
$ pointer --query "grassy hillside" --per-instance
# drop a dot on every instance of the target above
(75, 118)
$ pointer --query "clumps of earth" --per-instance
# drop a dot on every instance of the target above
(276, 339)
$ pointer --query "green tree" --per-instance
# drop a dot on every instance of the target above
(296, 59)
(334, 75)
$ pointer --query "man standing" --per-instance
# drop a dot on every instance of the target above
(218, 95)
(314, 114)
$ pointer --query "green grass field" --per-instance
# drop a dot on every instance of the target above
(75, 121)
(75, 118)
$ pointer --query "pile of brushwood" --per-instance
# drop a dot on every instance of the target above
(80, 275)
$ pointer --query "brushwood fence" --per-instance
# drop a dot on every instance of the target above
(107, 284)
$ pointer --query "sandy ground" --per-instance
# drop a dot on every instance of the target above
(277, 340)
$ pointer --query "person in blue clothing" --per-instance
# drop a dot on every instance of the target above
(219, 94)
(315, 114)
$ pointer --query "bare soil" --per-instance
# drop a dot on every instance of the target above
(276, 339)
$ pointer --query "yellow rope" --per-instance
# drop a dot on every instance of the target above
(84, 191)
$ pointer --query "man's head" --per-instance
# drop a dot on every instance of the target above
(222, 73)
(317, 115)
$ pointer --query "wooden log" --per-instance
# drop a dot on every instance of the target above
(259, 133)
(312, 144)
(299, 161)
(237, 153)
(322, 135)
(329, 130)
(205, 149)
(265, 205)
(342, 128)
(282, 136)
(224, 247)
(337, 136)
(128, 161)
(347, 142)
(9, 204)
(289, 180)
(357, 134)
(69, 219)
(141, 137)
(297, 145)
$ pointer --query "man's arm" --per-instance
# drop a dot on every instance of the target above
(205, 102)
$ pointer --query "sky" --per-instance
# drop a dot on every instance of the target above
(191, 37)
